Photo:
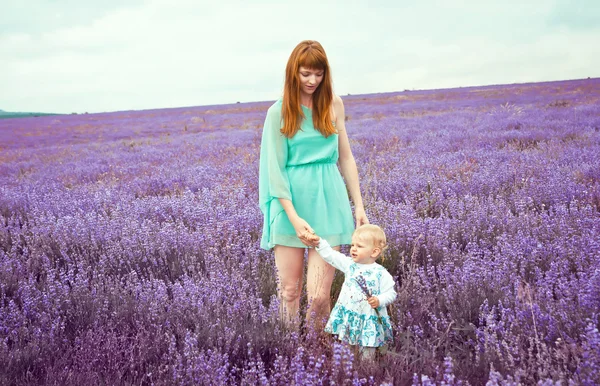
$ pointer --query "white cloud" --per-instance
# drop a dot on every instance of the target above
(166, 54)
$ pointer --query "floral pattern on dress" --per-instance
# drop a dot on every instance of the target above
(359, 329)
(352, 319)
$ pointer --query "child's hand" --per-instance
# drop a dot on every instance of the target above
(373, 301)
(311, 238)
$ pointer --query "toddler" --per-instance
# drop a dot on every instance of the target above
(360, 316)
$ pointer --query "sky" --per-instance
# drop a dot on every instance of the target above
(65, 56)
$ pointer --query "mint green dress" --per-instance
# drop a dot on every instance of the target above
(302, 169)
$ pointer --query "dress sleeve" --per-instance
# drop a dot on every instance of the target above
(273, 182)
(333, 257)
(273, 179)
(387, 293)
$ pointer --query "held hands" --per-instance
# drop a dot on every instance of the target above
(312, 238)
(373, 301)
(305, 233)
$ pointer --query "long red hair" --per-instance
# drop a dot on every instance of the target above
(309, 54)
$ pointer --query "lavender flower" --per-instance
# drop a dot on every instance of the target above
(362, 283)
(129, 242)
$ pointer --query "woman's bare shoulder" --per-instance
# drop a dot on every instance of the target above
(338, 106)
(337, 102)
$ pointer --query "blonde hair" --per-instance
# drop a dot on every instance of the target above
(375, 234)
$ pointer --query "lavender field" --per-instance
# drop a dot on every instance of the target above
(129, 244)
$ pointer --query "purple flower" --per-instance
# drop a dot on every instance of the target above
(362, 283)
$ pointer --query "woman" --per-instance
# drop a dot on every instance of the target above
(300, 186)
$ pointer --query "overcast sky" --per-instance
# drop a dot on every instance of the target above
(68, 56)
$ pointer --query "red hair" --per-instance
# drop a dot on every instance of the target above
(309, 54)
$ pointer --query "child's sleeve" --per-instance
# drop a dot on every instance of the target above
(333, 257)
(387, 294)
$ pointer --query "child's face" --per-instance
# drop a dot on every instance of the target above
(363, 251)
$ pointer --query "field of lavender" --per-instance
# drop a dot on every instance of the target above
(129, 244)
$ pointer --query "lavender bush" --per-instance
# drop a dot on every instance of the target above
(129, 244)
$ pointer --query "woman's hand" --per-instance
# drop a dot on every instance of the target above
(373, 301)
(303, 230)
(361, 217)
(312, 238)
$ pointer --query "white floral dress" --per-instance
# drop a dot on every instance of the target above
(352, 319)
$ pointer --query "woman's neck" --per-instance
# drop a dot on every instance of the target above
(306, 102)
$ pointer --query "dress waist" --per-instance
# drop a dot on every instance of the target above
(315, 163)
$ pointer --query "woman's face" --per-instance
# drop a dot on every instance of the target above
(310, 79)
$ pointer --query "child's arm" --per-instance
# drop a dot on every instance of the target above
(330, 255)
(387, 294)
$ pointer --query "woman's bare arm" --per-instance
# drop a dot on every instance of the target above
(347, 162)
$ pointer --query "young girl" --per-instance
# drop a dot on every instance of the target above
(360, 316)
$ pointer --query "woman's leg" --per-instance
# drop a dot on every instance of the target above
(318, 287)
(290, 265)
